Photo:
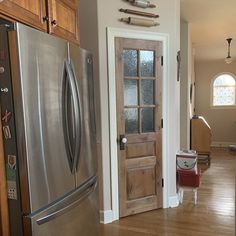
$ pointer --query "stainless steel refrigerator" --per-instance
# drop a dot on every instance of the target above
(48, 124)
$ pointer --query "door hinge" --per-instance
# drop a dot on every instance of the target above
(162, 183)
(162, 60)
(162, 123)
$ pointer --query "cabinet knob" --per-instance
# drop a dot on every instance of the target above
(54, 22)
(45, 18)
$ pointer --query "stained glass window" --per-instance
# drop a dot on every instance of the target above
(224, 87)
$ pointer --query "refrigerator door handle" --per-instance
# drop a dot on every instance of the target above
(78, 120)
(81, 194)
(72, 147)
(92, 92)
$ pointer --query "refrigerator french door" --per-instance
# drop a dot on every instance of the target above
(47, 110)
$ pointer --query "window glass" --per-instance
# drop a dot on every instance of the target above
(131, 120)
(147, 120)
(130, 92)
(130, 63)
(147, 92)
(224, 80)
(224, 90)
(147, 63)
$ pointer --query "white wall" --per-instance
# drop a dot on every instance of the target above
(186, 79)
(222, 121)
(108, 16)
(193, 79)
(185, 76)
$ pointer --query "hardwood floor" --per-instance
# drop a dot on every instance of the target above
(213, 214)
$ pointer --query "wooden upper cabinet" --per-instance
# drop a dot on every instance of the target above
(30, 12)
(58, 17)
(63, 19)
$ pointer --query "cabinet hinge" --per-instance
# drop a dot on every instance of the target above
(45, 18)
(162, 183)
(162, 123)
(162, 60)
(11, 26)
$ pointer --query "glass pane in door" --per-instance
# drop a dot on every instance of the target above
(147, 91)
(147, 120)
(130, 62)
(130, 92)
(147, 63)
(131, 120)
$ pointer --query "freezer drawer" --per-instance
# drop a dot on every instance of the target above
(77, 214)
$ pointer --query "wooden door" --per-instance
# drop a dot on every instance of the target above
(31, 12)
(139, 118)
(63, 19)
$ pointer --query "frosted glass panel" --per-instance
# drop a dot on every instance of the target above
(224, 96)
(130, 92)
(147, 63)
(131, 120)
(147, 92)
(147, 120)
(130, 63)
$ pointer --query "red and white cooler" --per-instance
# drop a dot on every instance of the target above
(189, 179)
(186, 160)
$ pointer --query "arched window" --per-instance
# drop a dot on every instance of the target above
(224, 90)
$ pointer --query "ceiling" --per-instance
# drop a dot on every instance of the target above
(211, 22)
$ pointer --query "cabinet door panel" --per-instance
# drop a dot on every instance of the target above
(64, 19)
(30, 12)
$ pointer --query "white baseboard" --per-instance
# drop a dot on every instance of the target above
(106, 217)
(173, 201)
(221, 144)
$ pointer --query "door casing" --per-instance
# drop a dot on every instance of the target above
(112, 33)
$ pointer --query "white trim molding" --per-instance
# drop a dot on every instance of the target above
(112, 33)
(174, 201)
(106, 217)
(221, 144)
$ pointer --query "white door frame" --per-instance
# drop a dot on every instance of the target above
(112, 33)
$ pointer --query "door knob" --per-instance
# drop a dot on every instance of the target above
(123, 141)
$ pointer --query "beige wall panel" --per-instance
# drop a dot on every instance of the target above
(222, 121)
(95, 17)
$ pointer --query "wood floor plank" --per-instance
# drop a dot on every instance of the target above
(214, 213)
